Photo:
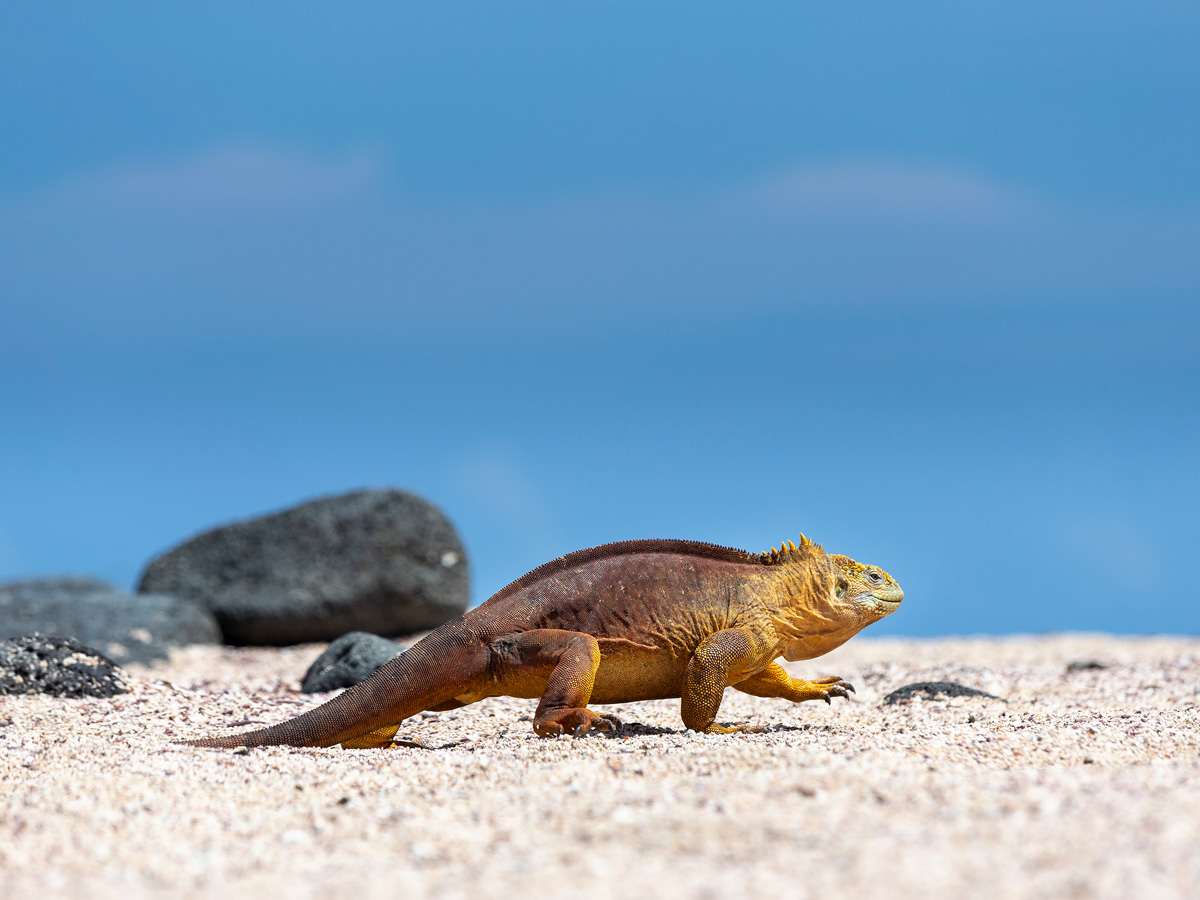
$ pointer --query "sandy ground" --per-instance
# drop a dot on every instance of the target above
(1086, 784)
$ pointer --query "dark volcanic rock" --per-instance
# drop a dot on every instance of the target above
(127, 627)
(931, 689)
(348, 660)
(386, 562)
(1085, 665)
(59, 667)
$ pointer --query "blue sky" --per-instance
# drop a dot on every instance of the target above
(920, 282)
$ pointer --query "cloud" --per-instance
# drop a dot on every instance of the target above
(893, 191)
(250, 240)
(233, 179)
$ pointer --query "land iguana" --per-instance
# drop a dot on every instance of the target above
(636, 620)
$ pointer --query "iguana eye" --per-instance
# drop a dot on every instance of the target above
(874, 576)
(841, 589)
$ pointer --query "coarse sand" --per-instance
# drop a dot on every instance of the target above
(1085, 784)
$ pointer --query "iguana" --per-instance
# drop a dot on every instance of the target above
(636, 620)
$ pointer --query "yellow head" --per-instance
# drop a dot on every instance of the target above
(828, 598)
(868, 588)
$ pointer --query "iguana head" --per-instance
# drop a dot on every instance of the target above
(867, 588)
(828, 598)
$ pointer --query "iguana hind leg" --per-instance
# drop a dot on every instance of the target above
(773, 681)
(569, 660)
(385, 738)
(379, 739)
(447, 706)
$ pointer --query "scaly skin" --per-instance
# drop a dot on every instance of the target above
(638, 620)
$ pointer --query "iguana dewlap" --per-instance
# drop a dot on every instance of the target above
(637, 620)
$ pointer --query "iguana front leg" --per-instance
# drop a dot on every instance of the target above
(773, 681)
(720, 660)
(572, 659)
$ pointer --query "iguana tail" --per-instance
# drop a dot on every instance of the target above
(439, 667)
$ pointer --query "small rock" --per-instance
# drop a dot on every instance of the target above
(1085, 665)
(126, 627)
(58, 667)
(932, 689)
(383, 561)
(350, 659)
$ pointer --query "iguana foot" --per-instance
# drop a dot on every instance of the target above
(608, 723)
(828, 688)
(580, 721)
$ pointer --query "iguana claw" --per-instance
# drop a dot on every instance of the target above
(834, 687)
(604, 723)
(579, 721)
(830, 690)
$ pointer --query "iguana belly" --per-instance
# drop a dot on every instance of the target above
(623, 676)
(633, 675)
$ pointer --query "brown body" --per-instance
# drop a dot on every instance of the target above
(638, 620)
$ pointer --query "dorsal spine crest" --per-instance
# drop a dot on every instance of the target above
(788, 549)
